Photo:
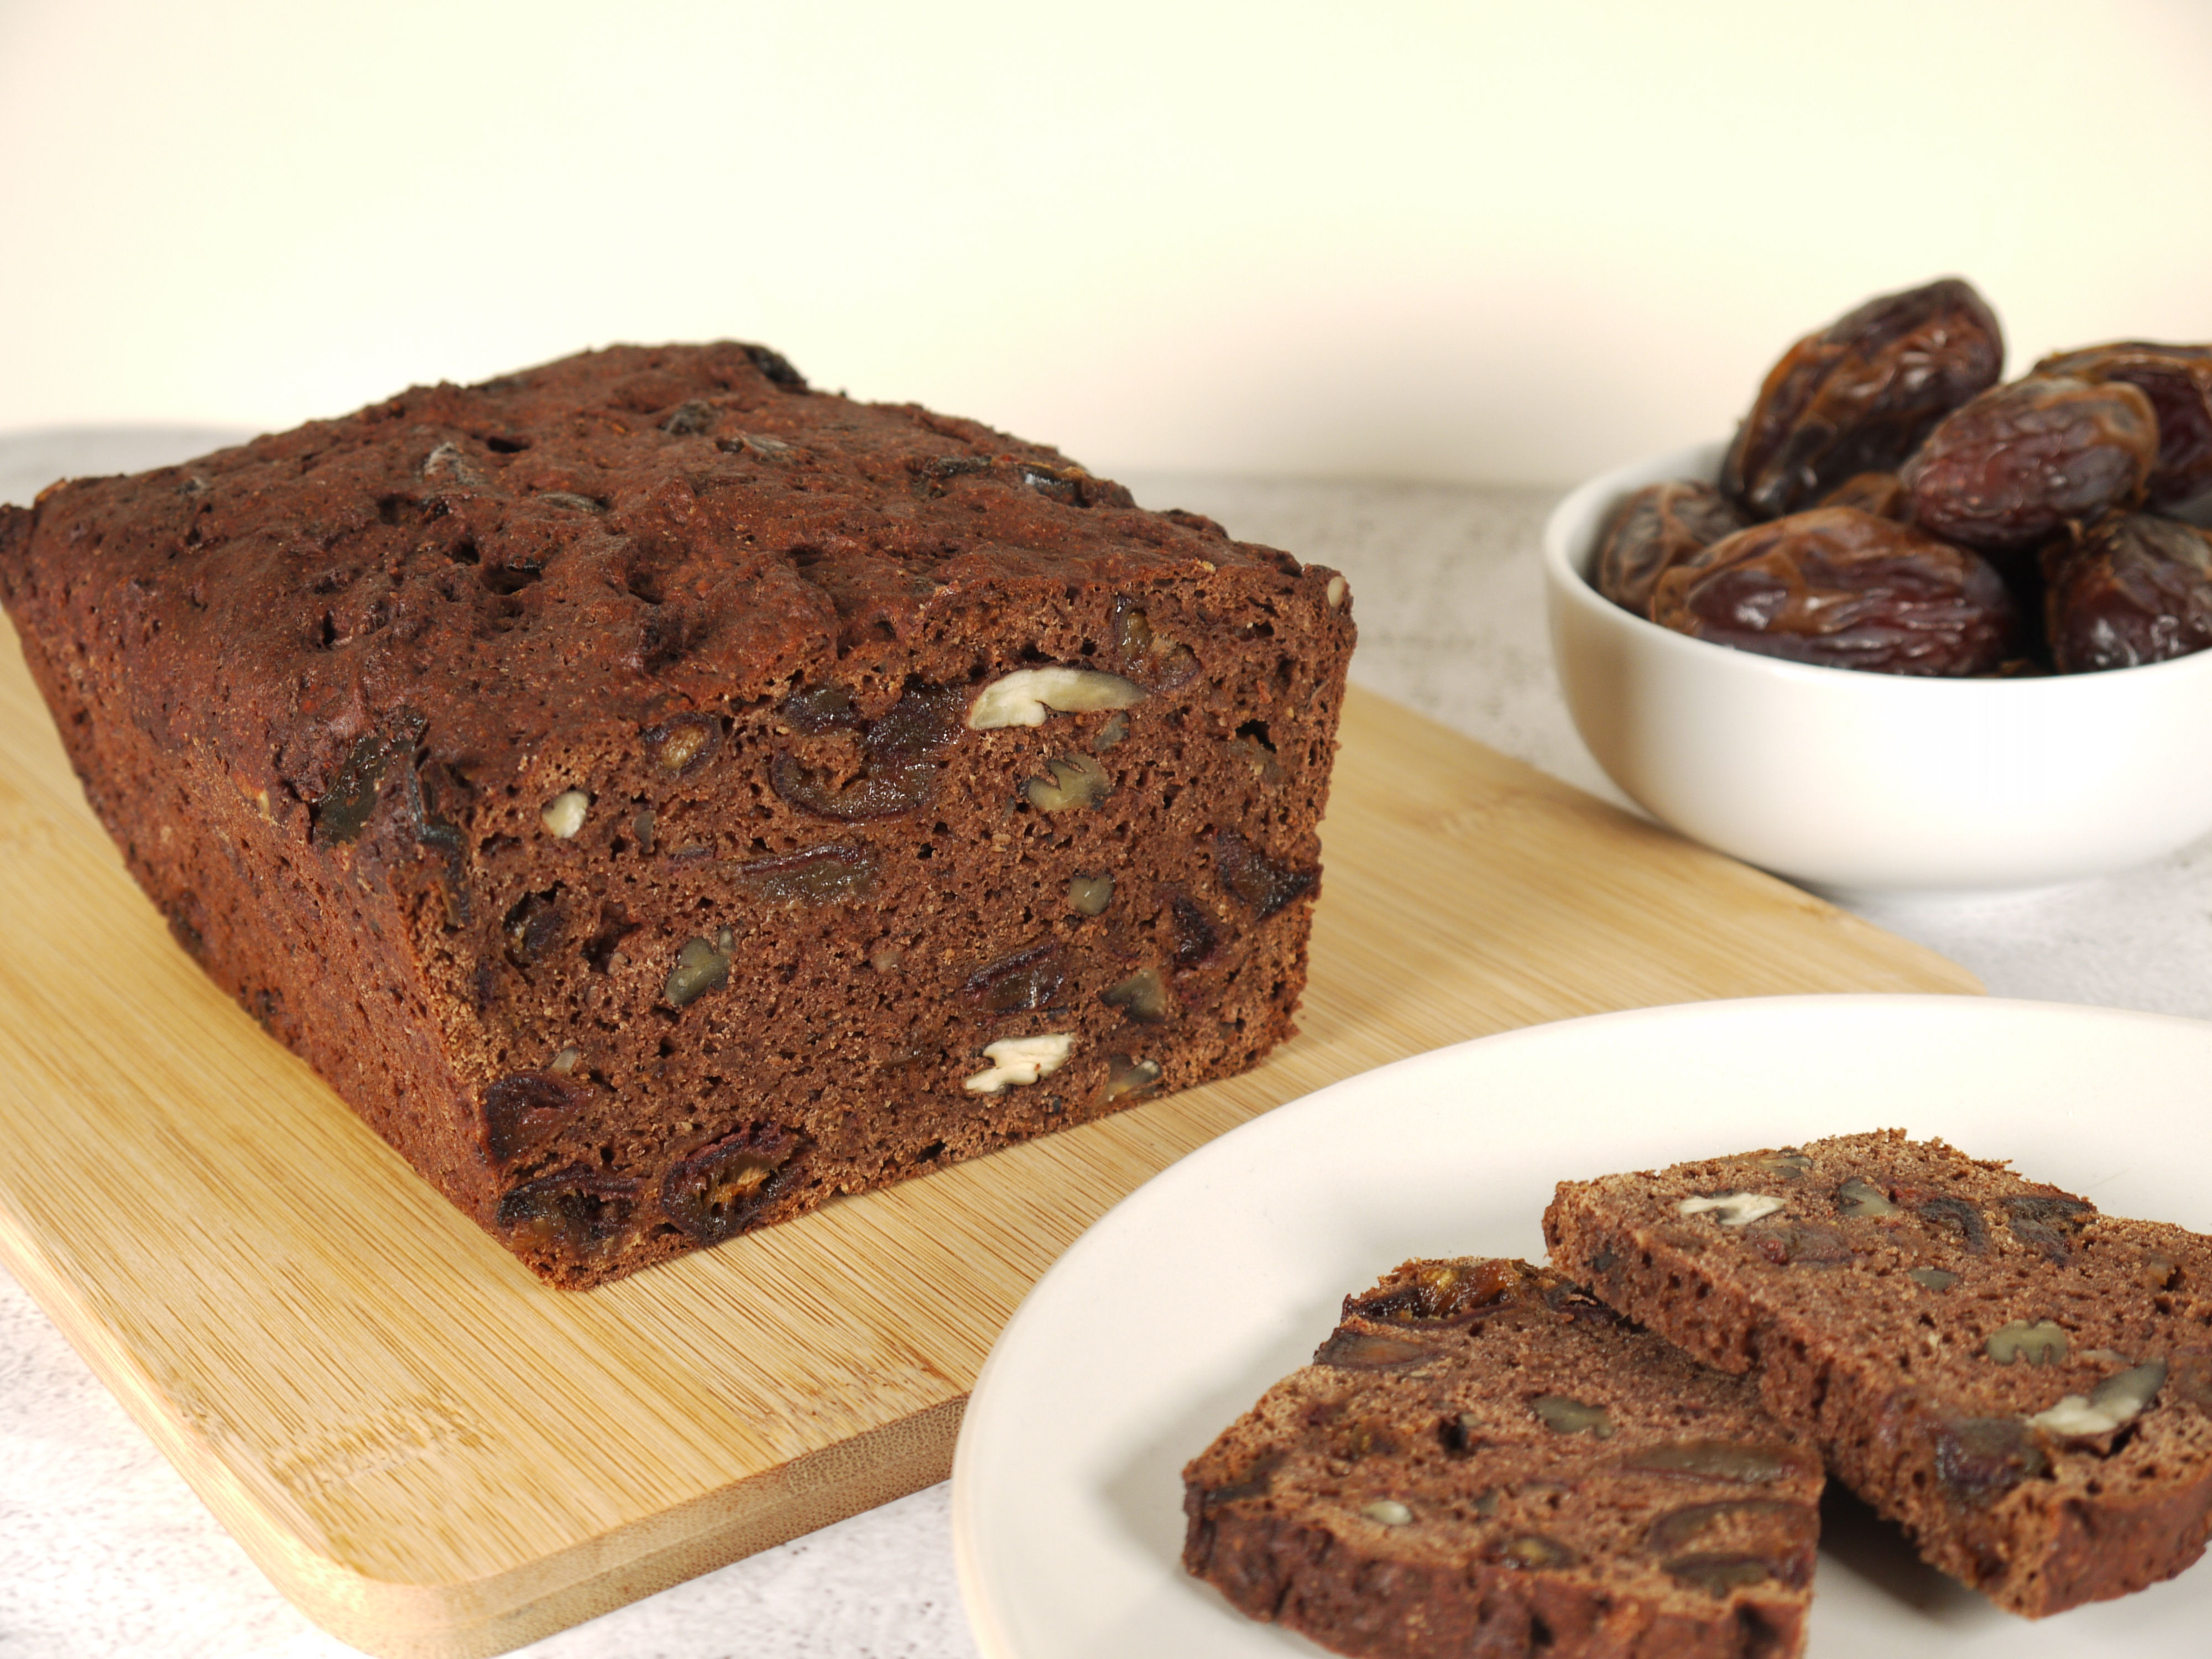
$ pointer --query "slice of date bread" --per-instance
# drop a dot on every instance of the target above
(2021, 1383)
(659, 796)
(1483, 1459)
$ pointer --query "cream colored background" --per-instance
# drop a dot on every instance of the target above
(1512, 243)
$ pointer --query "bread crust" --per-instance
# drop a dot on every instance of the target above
(1482, 1460)
(580, 770)
(1925, 1316)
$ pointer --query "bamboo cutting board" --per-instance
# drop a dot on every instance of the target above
(433, 1454)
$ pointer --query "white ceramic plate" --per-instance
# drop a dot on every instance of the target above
(1170, 1316)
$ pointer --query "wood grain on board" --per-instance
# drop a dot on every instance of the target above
(433, 1454)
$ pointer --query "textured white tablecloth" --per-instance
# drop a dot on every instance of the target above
(105, 1552)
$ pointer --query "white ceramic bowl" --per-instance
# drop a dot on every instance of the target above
(1874, 783)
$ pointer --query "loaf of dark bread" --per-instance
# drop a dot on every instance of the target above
(659, 797)
(1484, 1460)
(2024, 1384)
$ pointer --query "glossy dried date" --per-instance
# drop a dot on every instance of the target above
(719, 1189)
(824, 873)
(923, 720)
(577, 1210)
(1861, 394)
(2178, 381)
(1030, 979)
(896, 775)
(2137, 588)
(878, 793)
(2021, 463)
(1845, 589)
(1979, 1459)
(1659, 526)
(815, 709)
(1192, 938)
(521, 1111)
(1148, 657)
(533, 927)
(1261, 883)
(345, 807)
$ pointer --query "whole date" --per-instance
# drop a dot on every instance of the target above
(2178, 381)
(1659, 526)
(1861, 394)
(2022, 462)
(1843, 588)
(2137, 588)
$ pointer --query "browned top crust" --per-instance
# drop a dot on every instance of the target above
(609, 539)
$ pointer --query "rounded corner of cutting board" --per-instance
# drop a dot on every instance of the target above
(483, 1617)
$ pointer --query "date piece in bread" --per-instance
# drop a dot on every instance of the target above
(2021, 1383)
(659, 797)
(1482, 1459)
